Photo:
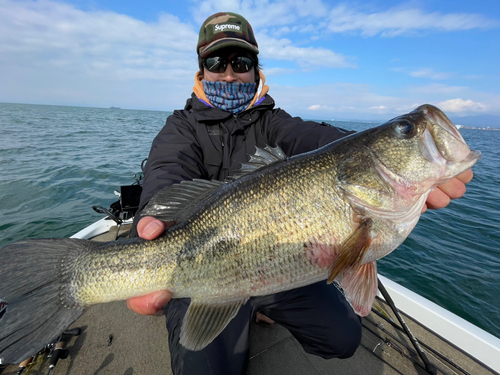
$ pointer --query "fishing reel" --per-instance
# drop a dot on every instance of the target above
(55, 350)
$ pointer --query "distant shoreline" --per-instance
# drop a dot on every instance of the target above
(478, 128)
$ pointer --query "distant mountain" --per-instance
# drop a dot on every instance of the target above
(488, 121)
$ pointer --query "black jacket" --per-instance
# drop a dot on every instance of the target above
(208, 143)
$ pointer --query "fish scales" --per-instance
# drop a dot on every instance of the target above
(222, 252)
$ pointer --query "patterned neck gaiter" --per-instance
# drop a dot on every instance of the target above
(231, 97)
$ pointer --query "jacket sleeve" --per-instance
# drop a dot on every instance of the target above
(175, 156)
(296, 136)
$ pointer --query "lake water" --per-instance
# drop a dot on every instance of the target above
(57, 162)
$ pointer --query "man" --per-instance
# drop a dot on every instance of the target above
(229, 114)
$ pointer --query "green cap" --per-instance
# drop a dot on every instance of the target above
(223, 30)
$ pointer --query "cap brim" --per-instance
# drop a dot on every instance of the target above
(227, 42)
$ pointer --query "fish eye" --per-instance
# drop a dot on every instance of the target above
(405, 128)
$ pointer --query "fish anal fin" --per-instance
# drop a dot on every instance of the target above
(360, 287)
(204, 321)
(353, 249)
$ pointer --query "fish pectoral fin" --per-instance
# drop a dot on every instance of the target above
(204, 321)
(353, 249)
(360, 287)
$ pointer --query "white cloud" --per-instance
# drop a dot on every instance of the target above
(307, 58)
(264, 14)
(361, 101)
(64, 33)
(338, 100)
(52, 52)
(437, 88)
(430, 73)
(273, 72)
(402, 20)
(459, 105)
(286, 15)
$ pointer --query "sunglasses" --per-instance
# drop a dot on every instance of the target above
(219, 64)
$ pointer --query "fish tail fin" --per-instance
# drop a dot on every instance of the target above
(35, 300)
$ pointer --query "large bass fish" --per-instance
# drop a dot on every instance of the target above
(325, 215)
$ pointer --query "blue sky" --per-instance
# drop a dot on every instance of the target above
(368, 60)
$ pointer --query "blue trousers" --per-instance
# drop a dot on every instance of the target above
(317, 315)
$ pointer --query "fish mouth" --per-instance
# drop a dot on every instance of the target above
(430, 149)
(442, 141)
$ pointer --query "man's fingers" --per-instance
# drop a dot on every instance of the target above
(440, 197)
(149, 304)
(437, 199)
(454, 188)
(150, 228)
(466, 177)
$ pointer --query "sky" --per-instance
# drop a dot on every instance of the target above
(328, 60)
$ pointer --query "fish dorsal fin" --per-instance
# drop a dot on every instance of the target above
(266, 156)
(262, 158)
(203, 322)
(172, 202)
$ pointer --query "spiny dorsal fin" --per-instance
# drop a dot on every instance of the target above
(204, 321)
(173, 202)
(262, 158)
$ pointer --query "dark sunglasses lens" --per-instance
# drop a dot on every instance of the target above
(218, 64)
(215, 64)
(241, 64)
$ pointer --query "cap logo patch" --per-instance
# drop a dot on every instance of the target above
(227, 26)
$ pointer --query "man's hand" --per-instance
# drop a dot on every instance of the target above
(150, 228)
(440, 197)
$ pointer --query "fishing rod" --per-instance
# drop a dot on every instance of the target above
(431, 369)
(26, 364)
(59, 350)
(55, 351)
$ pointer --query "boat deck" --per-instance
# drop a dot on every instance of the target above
(115, 340)
(139, 345)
